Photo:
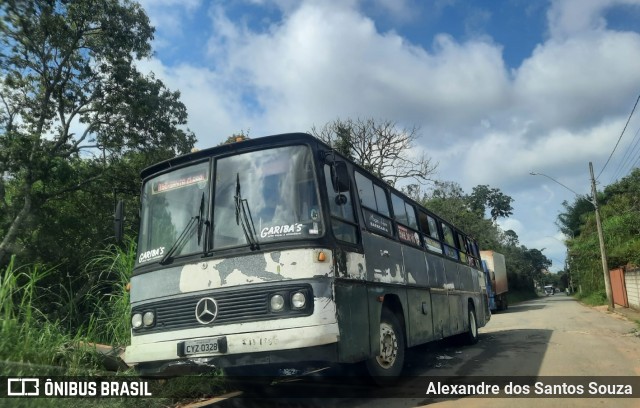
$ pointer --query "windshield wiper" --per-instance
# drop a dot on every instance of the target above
(201, 221)
(195, 224)
(243, 216)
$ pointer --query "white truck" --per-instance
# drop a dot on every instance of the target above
(497, 270)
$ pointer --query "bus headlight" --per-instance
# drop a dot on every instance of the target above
(148, 319)
(277, 303)
(136, 321)
(298, 300)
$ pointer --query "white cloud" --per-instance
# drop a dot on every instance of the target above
(563, 107)
(322, 62)
(576, 82)
(168, 17)
(401, 10)
(512, 224)
(503, 158)
(569, 18)
(214, 110)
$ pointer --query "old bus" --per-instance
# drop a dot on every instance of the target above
(277, 250)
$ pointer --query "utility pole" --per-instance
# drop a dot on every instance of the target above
(603, 254)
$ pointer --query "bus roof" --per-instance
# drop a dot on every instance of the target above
(274, 140)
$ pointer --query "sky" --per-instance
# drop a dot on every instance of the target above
(497, 88)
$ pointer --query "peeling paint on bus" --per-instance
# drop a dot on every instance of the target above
(389, 275)
(356, 266)
(266, 267)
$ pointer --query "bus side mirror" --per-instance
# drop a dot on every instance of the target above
(118, 222)
(340, 176)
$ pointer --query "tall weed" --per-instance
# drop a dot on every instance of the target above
(29, 342)
(595, 298)
(34, 344)
(109, 299)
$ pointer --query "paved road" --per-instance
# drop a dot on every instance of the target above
(550, 336)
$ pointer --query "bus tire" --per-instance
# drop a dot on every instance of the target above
(388, 364)
(471, 336)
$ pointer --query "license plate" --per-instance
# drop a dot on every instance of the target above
(202, 346)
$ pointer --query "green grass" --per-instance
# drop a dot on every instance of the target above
(108, 298)
(33, 345)
(30, 344)
(598, 298)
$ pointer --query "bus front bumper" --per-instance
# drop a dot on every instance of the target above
(293, 345)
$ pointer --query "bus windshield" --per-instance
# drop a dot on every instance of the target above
(274, 190)
(170, 204)
(261, 196)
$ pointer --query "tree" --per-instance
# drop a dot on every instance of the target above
(571, 221)
(448, 200)
(510, 238)
(525, 266)
(236, 137)
(379, 146)
(620, 210)
(69, 91)
(498, 203)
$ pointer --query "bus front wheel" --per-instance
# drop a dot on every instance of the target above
(390, 360)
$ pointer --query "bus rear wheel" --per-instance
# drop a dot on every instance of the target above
(389, 362)
(471, 337)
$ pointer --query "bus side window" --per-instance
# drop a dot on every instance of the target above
(365, 192)
(404, 212)
(342, 214)
(372, 195)
(472, 255)
(429, 229)
(462, 247)
(375, 205)
(450, 243)
(399, 211)
(411, 216)
(381, 200)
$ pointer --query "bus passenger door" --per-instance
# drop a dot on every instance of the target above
(420, 314)
(439, 295)
(440, 311)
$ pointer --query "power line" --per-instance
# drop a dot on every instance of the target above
(636, 162)
(614, 147)
(628, 157)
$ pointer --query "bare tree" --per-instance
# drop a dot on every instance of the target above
(381, 147)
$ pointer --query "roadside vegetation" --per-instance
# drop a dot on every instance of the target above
(593, 298)
(33, 344)
(620, 211)
(78, 122)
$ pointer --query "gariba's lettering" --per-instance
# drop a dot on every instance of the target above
(281, 230)
(148, 255)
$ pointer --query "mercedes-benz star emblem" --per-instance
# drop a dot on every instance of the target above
(206, 310)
